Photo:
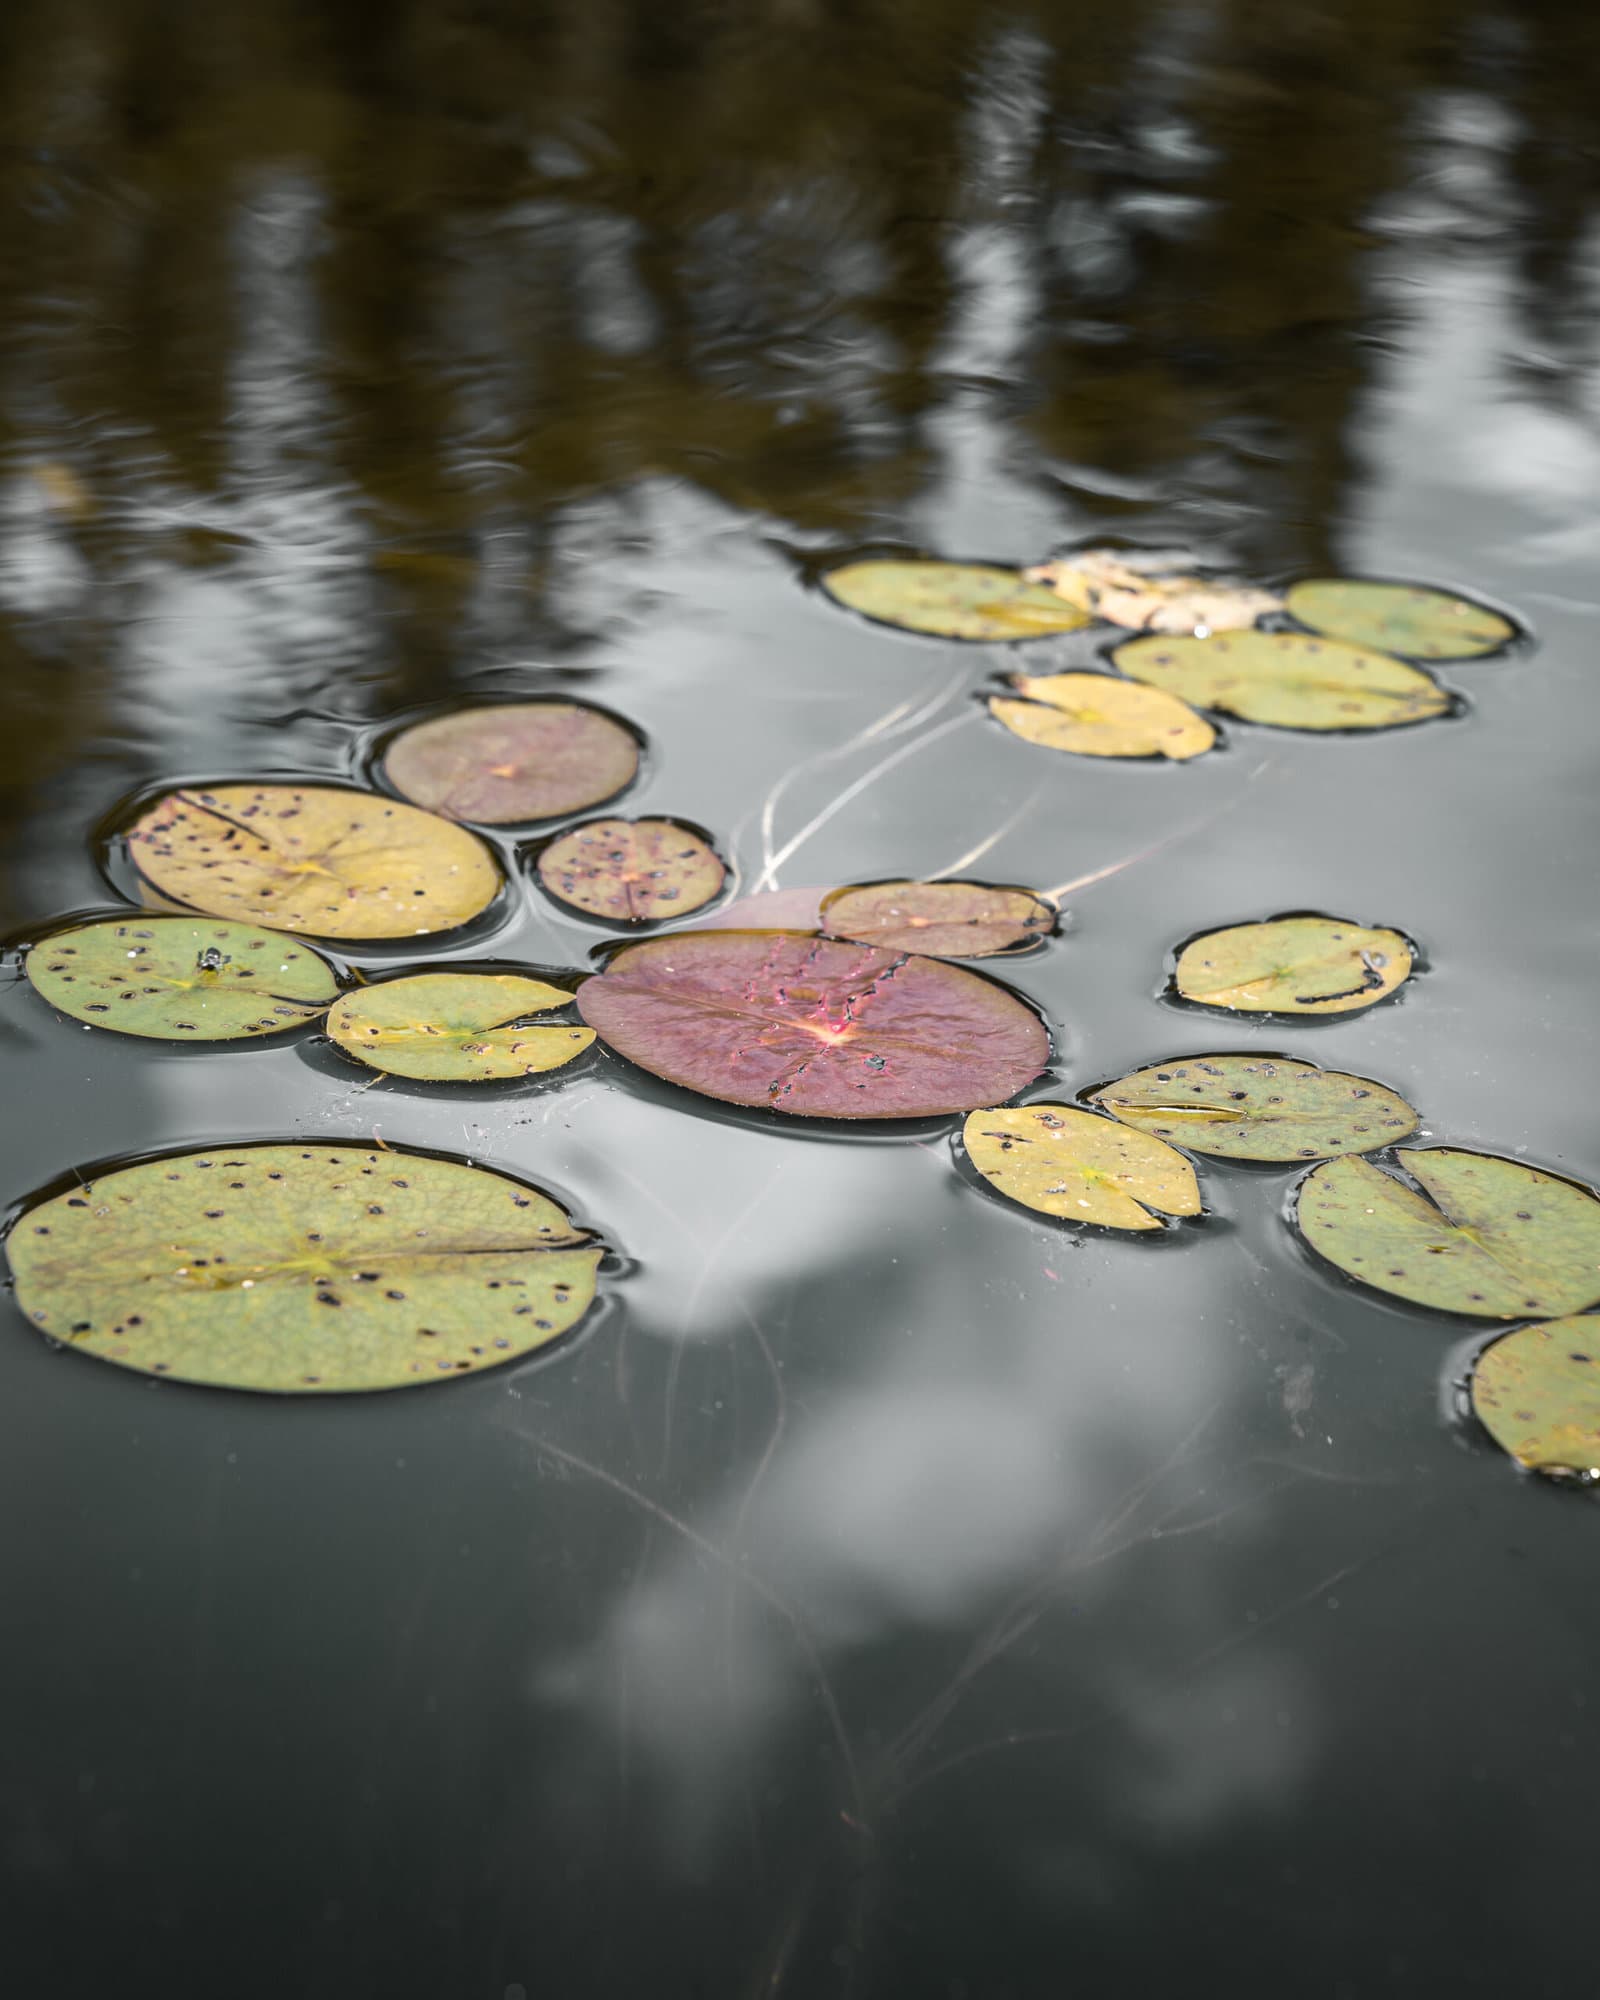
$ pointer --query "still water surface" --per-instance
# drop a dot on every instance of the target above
(887, 1593)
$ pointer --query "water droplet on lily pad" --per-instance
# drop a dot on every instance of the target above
(1408, 619)
(302, 1269)
(632, 871)
(182, 979)
(952, 600)
(336, 863)
(813, 1026)
(520, 761)
(1081, 1167)
(1483, 1235)
(1292, 680)
(1096, 715)
(1258, 1107)
(1537, 1393)
(1293, 965)
(939, 919)
(457, 1027)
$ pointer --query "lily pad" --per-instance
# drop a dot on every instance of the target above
(1098, 716)
(632, 871)
(814, 1027)
(1537, 1393)
(307, 1268)
(1288, 679)
(1107, 585)
(1259, 1108)
(1399, 618)
(1081, 1167)
(523, 761)
(457, 1026)
(1293, 965)
(182, 979)
(940, 919)
(1495, 1238)
(952, 600)
(314, 858)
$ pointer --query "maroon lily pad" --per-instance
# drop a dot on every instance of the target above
(632, 871)
(815, 1027)
(943, 919)
(525, 760)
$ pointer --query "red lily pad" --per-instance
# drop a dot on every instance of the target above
(632, 871)
(813, 1026)
(518, 761)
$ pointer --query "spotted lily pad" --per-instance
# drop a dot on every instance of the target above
(305, 1268)
(1289, 679)
(182, 979)
(521, 761)
(1259, 1108)
(1293, 965)
(1081, 1167)
(632, 871)
(1537, 1393)
(1399, 618)
(1485, 1235)
(952, 600)
(1096, 715)
(457, 1027)
(314, 858)
(1107, 585)
(941, 919)
(814, 1027)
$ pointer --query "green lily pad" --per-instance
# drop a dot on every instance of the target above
(939, 919)
(520, 761)
(632, 871)
(1399, 618)
(1487, 1235)
(302, 1269)
(318, 858)
(1259, 1108)
(457, 1027)
(1537, 1393)
(182, 979)
(1293, 965)
(953, 600)
(1080, 1167)
(1289, 679)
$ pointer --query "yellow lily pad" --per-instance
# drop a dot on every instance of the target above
(1259, 1107)
(1291, 680)
(1537, 1393)
(1106, 585)
(1403, 618)
(457, 1027)
(1293, 965)
(1079, 1166)
(1095, 715)
(952, 600)
(315, 858)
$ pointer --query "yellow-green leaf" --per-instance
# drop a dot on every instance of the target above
(1289, 679)
(952, 600)
(1259, 1108)
(1293, 965)
(1537, 1393)
(1095, 715)
(1400, 618)
(1080, 1166)
(457, 1027)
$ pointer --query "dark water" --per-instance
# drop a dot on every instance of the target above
(888, 1593)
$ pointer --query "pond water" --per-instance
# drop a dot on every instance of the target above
(887, 1591)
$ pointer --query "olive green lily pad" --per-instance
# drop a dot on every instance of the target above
(1399, 618)
(517, 761)
(952, 600)
(301, 1269)
(1537, 1393)
(940, 919)
(1259, 1108)
(1293, 965)
(1486, 1235)
(449, 1027)
(1289, 679)
(1080, 1167)
(632, 871)
(182, 979)
(317, 858)
(1097, 715)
